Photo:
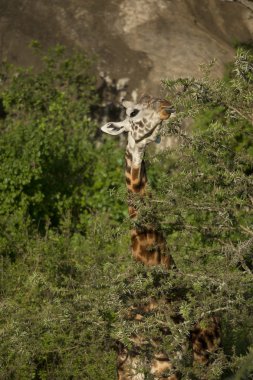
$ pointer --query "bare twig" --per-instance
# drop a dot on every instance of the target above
(246, 229)
(240, 250)
(214, 311)
(241, 114)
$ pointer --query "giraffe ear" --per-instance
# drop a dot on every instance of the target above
(113, 128)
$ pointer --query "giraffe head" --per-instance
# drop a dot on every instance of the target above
(142, 123)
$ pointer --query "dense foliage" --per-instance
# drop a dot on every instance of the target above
(68, 281)
(49, 156)
(55, 178)
(207, 206)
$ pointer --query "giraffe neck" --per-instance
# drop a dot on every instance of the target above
(147, 242)
(135, 173)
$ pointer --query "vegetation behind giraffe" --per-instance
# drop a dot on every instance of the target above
(68, 279)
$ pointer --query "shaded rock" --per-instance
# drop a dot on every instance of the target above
(142, 40)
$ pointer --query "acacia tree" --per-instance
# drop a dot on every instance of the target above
(203, 195)
(66, 296)
(206, 202)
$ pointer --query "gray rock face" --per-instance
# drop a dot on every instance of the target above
(143, 40)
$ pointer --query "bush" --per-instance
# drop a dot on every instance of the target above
(55, 179)
(54, 318)
(205, 202)
(67, 286)
(203, 198)
(49, 154)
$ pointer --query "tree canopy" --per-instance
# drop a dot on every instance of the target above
(68, 279)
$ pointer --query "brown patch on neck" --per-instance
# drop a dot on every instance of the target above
(205, 340)
(135, 173)
(136, 178)
(150, 248)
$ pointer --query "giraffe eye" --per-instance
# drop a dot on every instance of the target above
(134, 112)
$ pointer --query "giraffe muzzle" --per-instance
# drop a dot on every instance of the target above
(170, 110)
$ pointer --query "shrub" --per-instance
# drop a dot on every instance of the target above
(49, 153)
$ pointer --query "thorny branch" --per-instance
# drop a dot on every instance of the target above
(240, 251)
(241, 114)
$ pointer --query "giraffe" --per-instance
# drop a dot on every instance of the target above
(143, 123)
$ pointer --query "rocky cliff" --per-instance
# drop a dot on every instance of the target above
(143, 40)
